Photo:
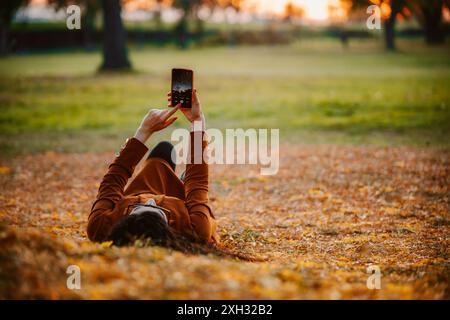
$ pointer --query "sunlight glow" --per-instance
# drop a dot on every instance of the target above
(314, 9)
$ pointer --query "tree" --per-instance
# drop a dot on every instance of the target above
(190, 8)
(92, 7)
(115, 55)
(158, 14)
(235, 5)
(114, 45)
(7, 11)
(390, 22)
(429, 14)
(181, 29)
(200, 25)
(389, 18)
(292, 12)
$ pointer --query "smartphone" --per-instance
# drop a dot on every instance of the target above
(182, 85)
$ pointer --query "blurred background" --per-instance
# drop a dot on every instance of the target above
(309, 67)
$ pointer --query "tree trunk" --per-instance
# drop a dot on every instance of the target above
(389, 32)
(200, 30)
(182, 32)
(114, 44)
(3, 38)
(389, 24)
(7, 11)
(432, 24)
(89, 26)
(158, 16)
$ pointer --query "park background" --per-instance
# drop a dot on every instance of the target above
(364, 122)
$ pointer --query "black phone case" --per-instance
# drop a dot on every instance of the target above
(185, 97)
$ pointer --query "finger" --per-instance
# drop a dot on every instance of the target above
(171, 112)
(169, 93)
(195, 96)
(169, 122)
(169, 104)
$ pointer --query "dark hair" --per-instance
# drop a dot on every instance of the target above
(144, 226)
(151, 229)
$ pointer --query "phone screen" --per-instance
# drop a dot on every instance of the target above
(182, 87)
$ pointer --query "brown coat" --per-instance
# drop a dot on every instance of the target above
(189, 214)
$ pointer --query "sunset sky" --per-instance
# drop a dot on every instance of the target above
(314, 9)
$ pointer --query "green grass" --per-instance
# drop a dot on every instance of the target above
(314, 91)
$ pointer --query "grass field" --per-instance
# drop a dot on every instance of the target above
(315, 92)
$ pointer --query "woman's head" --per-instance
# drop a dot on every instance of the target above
(149, 223)
(145, 222)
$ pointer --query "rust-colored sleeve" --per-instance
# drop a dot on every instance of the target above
(196, 188)
(103, 216)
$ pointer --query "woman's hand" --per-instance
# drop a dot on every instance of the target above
(155, 120)
(192, 114)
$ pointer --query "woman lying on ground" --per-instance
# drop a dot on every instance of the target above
(157, 207)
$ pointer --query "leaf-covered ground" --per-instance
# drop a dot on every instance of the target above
(330, 212)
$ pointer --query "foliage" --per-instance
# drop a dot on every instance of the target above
(330, 213)
(429, 14)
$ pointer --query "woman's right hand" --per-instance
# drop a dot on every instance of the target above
(155, 120)
(192, 114)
